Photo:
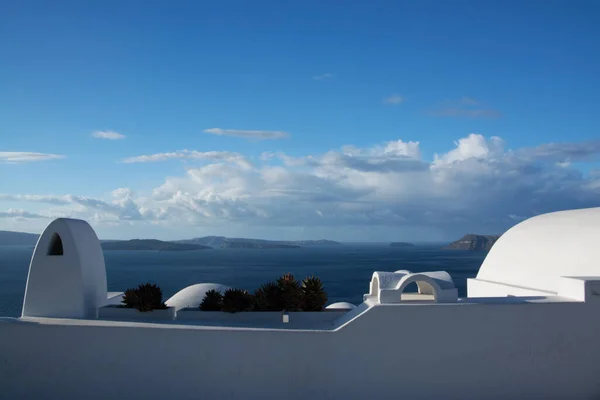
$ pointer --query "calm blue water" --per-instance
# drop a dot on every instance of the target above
(345, 270)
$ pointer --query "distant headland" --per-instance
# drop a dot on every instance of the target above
(8, 238)
(150, 244)
(474, 242)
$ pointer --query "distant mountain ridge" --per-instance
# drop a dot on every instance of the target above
(9, 238)
(225, 242)
(474, 242)
(150, 244)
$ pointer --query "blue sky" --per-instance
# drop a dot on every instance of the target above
(351, 121)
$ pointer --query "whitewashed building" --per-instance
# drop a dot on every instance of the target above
(528, 329)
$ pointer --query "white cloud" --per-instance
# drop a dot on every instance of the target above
(476, 186)
(472, 146)
(322, 77)
(20, 214)
(109, 135)
(248, 134)
(394, 99)
(19, 157)
(222, 156)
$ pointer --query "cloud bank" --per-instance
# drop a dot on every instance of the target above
(478, 185)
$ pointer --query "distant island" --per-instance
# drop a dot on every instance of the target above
(401, 244)
(151, 244)
(474, 242)
(242, 243)
(8, 238)
(233, 244)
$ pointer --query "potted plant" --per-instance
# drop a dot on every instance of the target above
(142, 303)
(272, 303)
(314, 296)
(268, 297)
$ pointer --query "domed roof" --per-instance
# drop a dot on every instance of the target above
(537, 252)
(192, 296)
(342, 305)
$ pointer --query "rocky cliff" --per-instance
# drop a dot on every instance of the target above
(474, 242)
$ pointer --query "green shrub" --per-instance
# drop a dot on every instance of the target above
(291, 293)
(237, 300)
(212, 301)
(146, 297)
(314, 296)
(268, 298)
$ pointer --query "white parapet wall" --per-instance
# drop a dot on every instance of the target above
(527, 332)
(545, 350)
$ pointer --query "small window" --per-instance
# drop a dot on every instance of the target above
(56, 246)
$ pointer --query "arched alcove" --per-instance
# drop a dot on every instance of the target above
(67, 276)
(56, 245)
(427, 289)
(395, 287)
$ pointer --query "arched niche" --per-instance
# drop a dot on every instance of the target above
(56, 246)
(67, 276)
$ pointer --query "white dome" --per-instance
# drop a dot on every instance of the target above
(537, 252)
(192, 296)
(340, 306)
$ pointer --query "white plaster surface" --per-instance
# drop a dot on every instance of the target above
(261, 319)
(114, 298)
(193, 295)
(387, 287)
(537, 252)
(72, 285)
(342, 305)
(113, 312)
(434, 351)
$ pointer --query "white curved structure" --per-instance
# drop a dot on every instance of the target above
(388, 287)
(192, 296)
(540, 255)
(528, 330)
(67, 276)
(342, 305)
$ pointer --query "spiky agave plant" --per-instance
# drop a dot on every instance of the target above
(291, 294)
(237, 300)
(314, 296)
(268, 298)
(130, 298)
(212, 301)
(145, 297)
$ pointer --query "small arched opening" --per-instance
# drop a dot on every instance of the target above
(418, 289)
(56, 246)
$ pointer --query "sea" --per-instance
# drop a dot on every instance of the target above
(345, 270)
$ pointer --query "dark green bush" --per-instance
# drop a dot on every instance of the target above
(314, 296)
(291, 293)
(237, 300)
(146, 297)
(268, 298)
(212, 301)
